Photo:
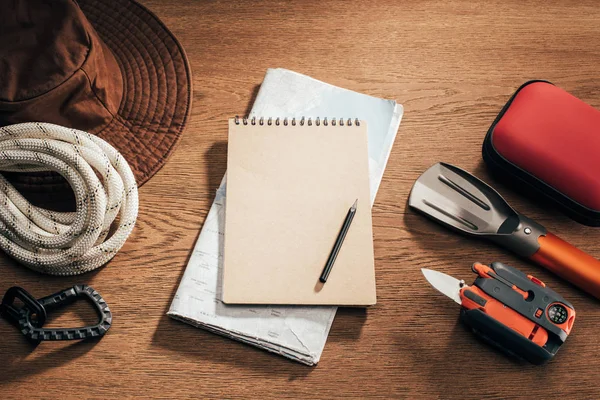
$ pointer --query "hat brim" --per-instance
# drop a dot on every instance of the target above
(157, 83)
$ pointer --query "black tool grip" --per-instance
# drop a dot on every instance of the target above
(471, 295)
(506, 339)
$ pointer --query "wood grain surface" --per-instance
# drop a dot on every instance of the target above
(452, 64)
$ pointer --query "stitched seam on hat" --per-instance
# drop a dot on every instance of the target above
(188, 73)
(162, 111)
(96, 95)
(138, 48)
(136, 51)
(133, 67)
(88, 77)
(188, 70)
(184, 59)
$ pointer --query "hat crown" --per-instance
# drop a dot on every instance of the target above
(54, 67)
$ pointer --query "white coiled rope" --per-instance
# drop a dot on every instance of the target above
(65, 243)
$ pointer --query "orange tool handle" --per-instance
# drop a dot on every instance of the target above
(568, 262)
(474, 298)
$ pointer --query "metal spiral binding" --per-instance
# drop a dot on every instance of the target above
(293, 121)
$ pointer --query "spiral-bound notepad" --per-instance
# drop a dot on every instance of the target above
(290, 183)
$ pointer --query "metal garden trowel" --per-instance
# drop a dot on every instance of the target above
(459, 200)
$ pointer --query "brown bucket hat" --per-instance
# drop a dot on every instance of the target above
(109, 67)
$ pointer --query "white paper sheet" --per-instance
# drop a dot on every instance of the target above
(295, 332)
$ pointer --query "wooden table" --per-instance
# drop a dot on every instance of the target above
(452, 64)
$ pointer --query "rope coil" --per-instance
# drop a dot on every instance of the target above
(65, 243)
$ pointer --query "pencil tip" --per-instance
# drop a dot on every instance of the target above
(354, 205)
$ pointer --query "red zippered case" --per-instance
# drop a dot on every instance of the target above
(546, 142)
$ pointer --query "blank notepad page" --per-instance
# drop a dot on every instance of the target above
(289, 188)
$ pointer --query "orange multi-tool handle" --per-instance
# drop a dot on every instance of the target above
(568, 262)
(474, 298)
(487, 272)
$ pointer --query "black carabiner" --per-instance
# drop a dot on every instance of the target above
(32, 328)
